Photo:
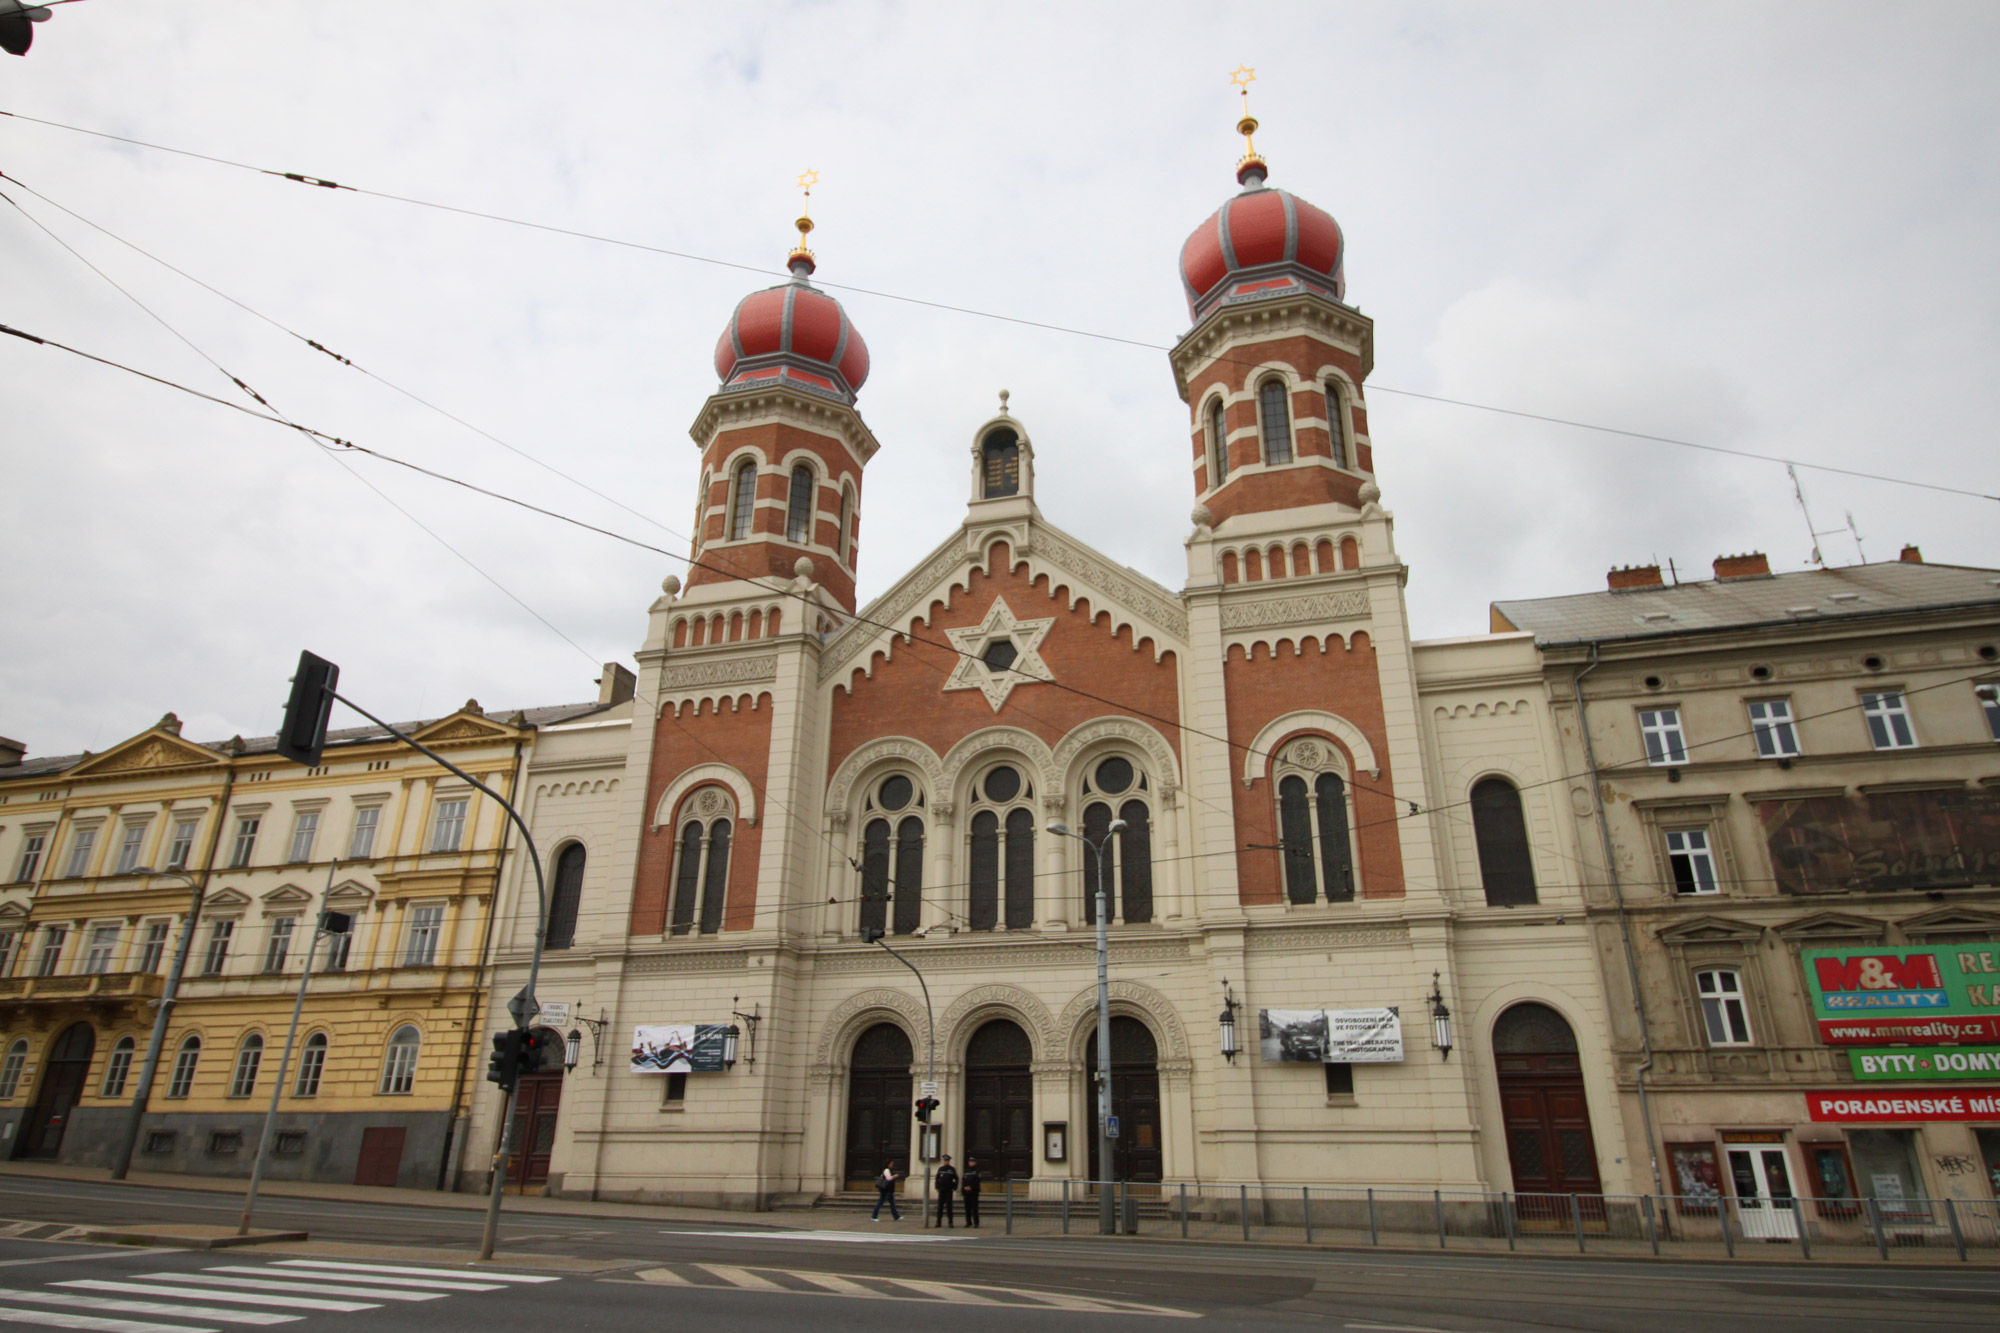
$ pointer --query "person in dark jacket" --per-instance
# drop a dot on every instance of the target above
(885, 1192)
(968, 1187)
(947, 1185)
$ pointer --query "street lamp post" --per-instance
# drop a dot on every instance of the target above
(873, 935)
(137, 1114)
(1106, 1219)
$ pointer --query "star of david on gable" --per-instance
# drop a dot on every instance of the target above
(999, 653)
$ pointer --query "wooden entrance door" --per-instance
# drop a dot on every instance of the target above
(880, 1106)
(63, 1075)
(1542, 1105)
(1136, 1154)
(381, 1160)
(1000, 1102)
(536, 1100)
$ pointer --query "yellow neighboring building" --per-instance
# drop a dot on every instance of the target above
(100, 856)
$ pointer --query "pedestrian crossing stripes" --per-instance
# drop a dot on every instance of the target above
(797, 1282)
(237, 1297)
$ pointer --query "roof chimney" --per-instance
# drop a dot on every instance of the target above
(615, 685)
(1751, 565)
(1912, 556)
(1634, 576)
(11, 752)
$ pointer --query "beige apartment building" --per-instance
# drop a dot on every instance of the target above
(102, 856)
(1798, 778)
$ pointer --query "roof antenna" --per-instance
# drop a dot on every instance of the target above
(1799, 494)
(1857, 537)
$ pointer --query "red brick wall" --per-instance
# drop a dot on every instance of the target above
(773, 442)
(731, 732)
(1338, 680)
(905, 696)
(1295, 487)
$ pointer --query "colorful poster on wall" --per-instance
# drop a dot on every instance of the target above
(1911, 994)
(1697, 1176)
(1885, 840)
(678, 1048)
(1330, 1036)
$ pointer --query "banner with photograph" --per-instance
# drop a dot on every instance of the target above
(1330, 1036)
(678, 1048)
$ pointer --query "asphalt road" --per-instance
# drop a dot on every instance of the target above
(763, 1277)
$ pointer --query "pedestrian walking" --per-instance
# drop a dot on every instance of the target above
(885, 1192)
(968, 1189)
(947, 1185)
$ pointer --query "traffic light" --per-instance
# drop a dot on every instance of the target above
(504, 1065)
(303, 733)
(926, 1107)
(538, 1045)
(16, 34)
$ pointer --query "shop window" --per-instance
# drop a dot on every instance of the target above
(1885, 1167)
(1831, 1176)
(1696, 1178)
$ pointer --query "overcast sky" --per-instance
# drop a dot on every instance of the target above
(1763, 226)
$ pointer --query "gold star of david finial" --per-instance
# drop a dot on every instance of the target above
(807, 179)
(1243, 76)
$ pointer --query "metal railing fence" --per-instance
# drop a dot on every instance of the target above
(1687, 1226)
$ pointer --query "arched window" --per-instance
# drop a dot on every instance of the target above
(186, 1060)
(999, 464)
(1218, 443)
(846, 523)
(701, 506)
(568, 896)
(892, 857)
(1336, 426)
(249, 1056)
(1003, 850)
(118, 1068)
(1273, 406)
(1117, 783)
(1498, 828)
(312, 1064)
(399, 1064)
(1313, 824)
(742, 499)
(799, 506)
(10, 1072)
(701, 867)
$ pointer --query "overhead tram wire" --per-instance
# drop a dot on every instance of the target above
(276, 416)
(1046, 325)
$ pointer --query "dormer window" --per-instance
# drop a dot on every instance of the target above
(999, 655)
(999, 464)
(1275, 415)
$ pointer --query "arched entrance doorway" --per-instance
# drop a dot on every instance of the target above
(879, 1105)
(1542, 1104)
(63, 1073)
(537, 1098)
(1135, 1100)
(1000, 1101)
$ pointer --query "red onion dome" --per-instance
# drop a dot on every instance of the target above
(1262, 243)
(795, 333)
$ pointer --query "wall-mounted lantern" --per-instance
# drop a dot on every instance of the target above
(1440, 1019)
(1226, 1021)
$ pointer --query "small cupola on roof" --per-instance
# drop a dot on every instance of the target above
(1003, 459)
(1262, 243)
(794, 333)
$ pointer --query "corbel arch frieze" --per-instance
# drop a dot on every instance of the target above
(1309, 719)
(726, 775)
(879, 753)
(1079, 1019)
(1099, 731)
(857, 1012)
(980, 743)
(974, 1008)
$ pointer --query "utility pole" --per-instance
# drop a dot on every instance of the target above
(300, 739)
(1107, 1223)
(873, 935)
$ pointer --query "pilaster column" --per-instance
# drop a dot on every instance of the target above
(1054, 890)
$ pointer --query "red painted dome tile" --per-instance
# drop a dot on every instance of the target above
(854, 364)
(1319, 237)
(1265, 227)
(1202, 264)
(1257, 228)
(816, 324)
(794, 330)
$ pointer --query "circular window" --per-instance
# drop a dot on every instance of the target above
(1760, 673)
(999, 655)
(1652, 682)
(1988, 652)
(1003, 784)
(896, 793)
(1114, 775)
(1872, 663)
